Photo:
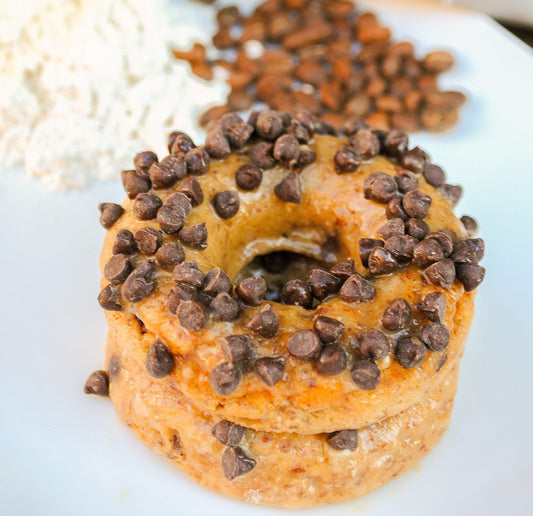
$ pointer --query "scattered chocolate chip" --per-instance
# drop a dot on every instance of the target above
(299, 130)
(332, 360)
(452, 192)
(374, 344)
(270, 369)
(216, 144)
(297, 292)
(228, 433)
(427, 252)
(286, 150)
(289, 189)
(401, 247)
(148, 240)
(380, 187)
(135, 183)
(248, 177)
(188, 273)
(343, 440)
(124, 242)
(194, 236)
(435, 336)
(396, 142)
(192, 189)
(344, 270)
(216, 281)
(323, 127)
(391, 228)
(197, 161)
(143, 161)
(470, 224)
(416, 228)
(416, 204)
(109, 298)
(357, 288)
(463, 253)
(225, 308)
(328, 329)
(444, 240)
(145, 205)
(323, 283)
(477, 245)
(381, 261)
(172, 168)
(441, 273)
(269, 124)
(181, 292)
(179, 143)
(226, 204)
(97, 383)
(117, 269)
(140, 283)
(365, 143)
(236, 463)
(109, 213)
(434, 306)
(366, 374)
(354, 124)
(346, 160)
(252, 290)
(169, 255)
(261, 155)
(307, 156)
(171, 218)
(443, 359)
(236, 347)
(434, 175)
(180, 200)
(190, 315)
(304, 344)
(395, 209)
(397, 315)
(406, 181)
(225, 378)
(159, 360)
(409, 351)
(236, 130)
(365, 247)
(265, 322)
(414, 159)
(470, 275)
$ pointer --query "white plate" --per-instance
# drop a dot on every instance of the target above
(64, 453)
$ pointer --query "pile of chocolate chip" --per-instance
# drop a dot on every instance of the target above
(327, 58)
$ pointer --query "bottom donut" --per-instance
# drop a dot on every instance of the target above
(280, 469)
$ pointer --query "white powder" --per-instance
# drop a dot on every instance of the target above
(85, 84)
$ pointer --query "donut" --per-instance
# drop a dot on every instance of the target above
(287, 306)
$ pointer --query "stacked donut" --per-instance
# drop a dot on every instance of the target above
(287, 307)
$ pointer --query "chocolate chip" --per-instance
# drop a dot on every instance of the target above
(434, 175)
(216, 143)
(166, 173)
(406, 181)
(217, 281)
(179, 142)
(236, 463)
(366, 374)
(190, 315)
(117, 269)
(427, 252)
(143, 161)
(323, 283)
(331, 361)
(416, 228)
(261, 155)
(397, 315)
(441, 273)
(226, 204)
(323, 127)
(179, 293)
(192, 189)
(304, 344)
(381, 261)
(401, 247)
(171, 218)
(140, 283)
(225, 378)
(297, 292)
(109, 213)
(124, 242)
(380, 187)
(416, 204)
(236, 347)
(236, 130)
(396, 142)
(463, 253)
(159, 360)
(194, 236)
(477, 245)
(148, 240)
(346, 160)
(270, 369)
(343, 440)
(289, 189)
(365, 143)
(357, 288)
(188, 273)
(344, 270)
(97, 383)
(286, 150)
(409, 351)
(353, 124)
(470, 275)
(252, 290)
(169, 255)
(109, 298)
(228, 433)
(365, 247)
(374, 344)
(443, 359)
(434, 306)
(269, 124)
(328, 329)
(145, 205)
(225, 308)
(307, 156)
(299, 131)
(395, 209)
(414, 159)
(135, 183)
(391, 228)
(452, 192)
(197, 161)
(470, 224)
(444, 240)
(435, 336)
(248, 177)
(265, 322)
